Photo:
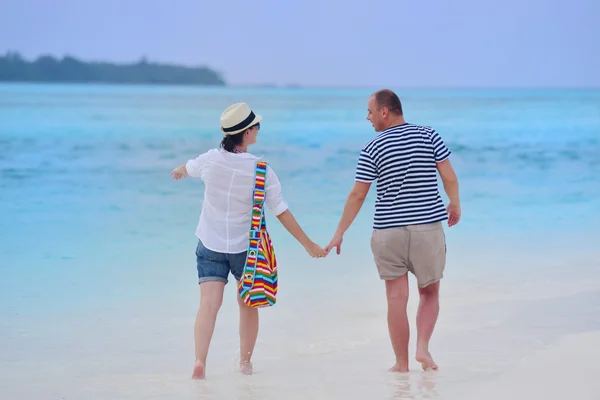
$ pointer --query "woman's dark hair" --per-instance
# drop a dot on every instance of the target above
(230, 141)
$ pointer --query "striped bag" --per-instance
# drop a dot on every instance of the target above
(258, 285)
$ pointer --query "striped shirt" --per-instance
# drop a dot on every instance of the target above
(403, 161)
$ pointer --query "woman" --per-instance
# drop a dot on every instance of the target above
(228, 174)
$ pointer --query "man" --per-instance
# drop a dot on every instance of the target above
(407, 232)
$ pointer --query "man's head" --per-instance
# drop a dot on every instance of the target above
(384, 110)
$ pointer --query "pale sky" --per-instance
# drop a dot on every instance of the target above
(459, 43)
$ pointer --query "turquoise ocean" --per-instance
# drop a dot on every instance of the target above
(98, 287)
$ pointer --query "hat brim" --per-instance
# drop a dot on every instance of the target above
(255, 121)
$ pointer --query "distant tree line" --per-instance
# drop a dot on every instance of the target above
(13, 68)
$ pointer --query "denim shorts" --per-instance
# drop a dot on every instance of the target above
(214, 266)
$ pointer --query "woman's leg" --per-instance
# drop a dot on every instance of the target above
(211, 298)
(248, 335)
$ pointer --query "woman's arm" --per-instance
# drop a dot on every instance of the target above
(288, 220)
(279, 207)
(179, 172)
(193, 167)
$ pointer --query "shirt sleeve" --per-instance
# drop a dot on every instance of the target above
(366, 170)
(274, 197)
(440, 151)
(196, 165)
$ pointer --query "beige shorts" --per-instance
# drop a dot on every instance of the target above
(420, 249)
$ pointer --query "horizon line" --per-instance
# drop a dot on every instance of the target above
(286, 86)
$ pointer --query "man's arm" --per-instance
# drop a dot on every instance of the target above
(366, 173)
(354, 202)
(450, 182)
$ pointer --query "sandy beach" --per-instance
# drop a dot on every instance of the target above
(567, 369)
(539, 347)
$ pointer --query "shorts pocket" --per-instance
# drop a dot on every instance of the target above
(205, 254)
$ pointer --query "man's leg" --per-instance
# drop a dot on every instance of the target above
(248, 335)
(211, 298)
(428, 259)
(397, 299)
(429, 307)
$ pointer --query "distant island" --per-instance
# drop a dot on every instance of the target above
(13, 68)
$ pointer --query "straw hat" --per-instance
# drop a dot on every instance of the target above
(237, 118)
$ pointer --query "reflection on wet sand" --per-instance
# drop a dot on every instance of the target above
(415, 386)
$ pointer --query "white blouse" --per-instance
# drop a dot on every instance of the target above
(229, 182)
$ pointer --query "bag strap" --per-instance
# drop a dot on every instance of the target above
(257, 221)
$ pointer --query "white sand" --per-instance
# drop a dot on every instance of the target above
(524, 339)
(569, 369)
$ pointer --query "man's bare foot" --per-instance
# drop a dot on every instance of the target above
(199, 370)
(400, 367)
(424, 357)
(246, 368)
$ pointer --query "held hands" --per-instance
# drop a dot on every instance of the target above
(336, 242)
(315, 250)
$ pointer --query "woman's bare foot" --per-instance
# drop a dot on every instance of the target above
(199, 370)
(424, 357)
(400, 367)
(246, 368)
